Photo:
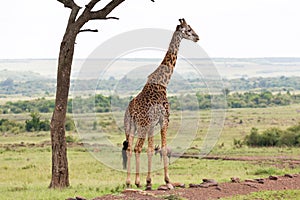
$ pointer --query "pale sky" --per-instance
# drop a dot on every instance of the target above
(227, 28)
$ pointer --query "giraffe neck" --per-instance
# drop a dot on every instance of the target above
(163, 73)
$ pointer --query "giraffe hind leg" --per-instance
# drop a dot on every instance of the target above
(137, 151)
(129, 133)
(129, 154)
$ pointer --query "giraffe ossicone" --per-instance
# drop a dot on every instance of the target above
(150, 107)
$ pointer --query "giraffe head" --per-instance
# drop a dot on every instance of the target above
(186, 30)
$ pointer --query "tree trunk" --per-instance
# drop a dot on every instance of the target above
(60, 172)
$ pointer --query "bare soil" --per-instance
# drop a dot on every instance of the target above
(228, 189)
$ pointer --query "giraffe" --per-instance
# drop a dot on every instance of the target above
(150, 107)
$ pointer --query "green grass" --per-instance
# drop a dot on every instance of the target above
(261, 118)
(25, 172)
(268, 195)
(254, 151)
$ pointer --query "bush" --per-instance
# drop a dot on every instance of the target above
(238, 143)
(270, 137)
(273, 137)
(289, 139)
(253, 138)
(35, 124)
(71, 139)
(69, 125)
(11, 126)
(45, 125)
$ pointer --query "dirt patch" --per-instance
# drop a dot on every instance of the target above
(228, 189)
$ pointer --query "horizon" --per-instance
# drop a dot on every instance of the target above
(262, 57)
(229, 68)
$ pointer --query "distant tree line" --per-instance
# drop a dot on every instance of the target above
(261, 99)
(282, 83)
(38, 85)
(39, 105)
(100, 103)
(27, 88)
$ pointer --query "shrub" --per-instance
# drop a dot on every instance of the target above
(45, 125)
(35, 124)
(11, 126)
(289, 139)
(273, 137)
(71, 139)
(238, 143)
(270, 137)
(253, 138)
(69, 125)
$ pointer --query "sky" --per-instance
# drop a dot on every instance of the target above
(231, 28)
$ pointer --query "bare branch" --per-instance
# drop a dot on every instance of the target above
(74, 7)
(73, 15)
(106, 18)
(101, 14)
(88, 14)
(116, 18)
(68, 3)
(91, 4)
(88, 30)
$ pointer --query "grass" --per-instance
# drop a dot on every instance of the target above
(25, 172)
(255, 151)
(268, 195)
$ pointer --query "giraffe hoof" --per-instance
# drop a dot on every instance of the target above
(138, 185)
(148, 188)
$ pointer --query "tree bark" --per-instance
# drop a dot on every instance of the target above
(60, 174)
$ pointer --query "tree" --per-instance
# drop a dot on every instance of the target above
(60, 174)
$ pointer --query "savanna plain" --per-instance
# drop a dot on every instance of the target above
(25, 156)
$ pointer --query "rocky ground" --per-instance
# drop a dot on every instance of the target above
(210, 189)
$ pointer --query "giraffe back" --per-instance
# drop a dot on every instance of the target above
(149, 107)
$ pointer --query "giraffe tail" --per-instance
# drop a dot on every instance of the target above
(125, 143)
(124, 154)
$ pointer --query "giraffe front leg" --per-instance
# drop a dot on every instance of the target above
(129, 154)
(137, 151)
(149, 154)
